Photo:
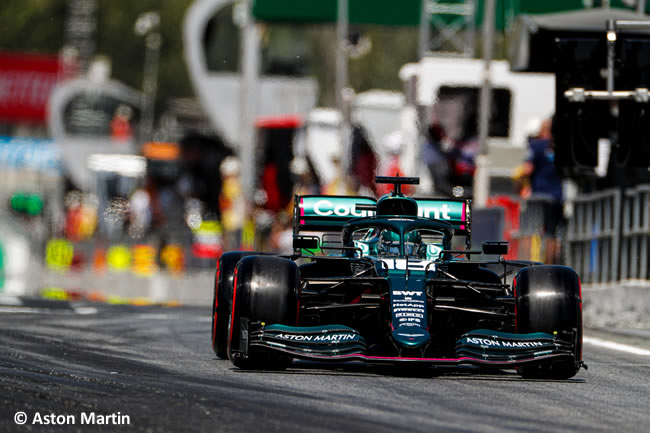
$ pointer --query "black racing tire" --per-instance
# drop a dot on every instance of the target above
(266, 289)
(548, 299)
(221, 302)
(517, 263)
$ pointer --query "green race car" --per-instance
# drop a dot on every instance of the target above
(383, 281)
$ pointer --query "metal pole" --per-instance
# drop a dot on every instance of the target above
(146, 25)
(470, 26)
(80, 31)
(150, 85)
(342, 30)
(250, 75)
(425, 28)
(640, 7)
(481, 177)
(611, 44)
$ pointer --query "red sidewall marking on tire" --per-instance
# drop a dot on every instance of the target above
(232, 313)
(216, 304)
(581, 334)
(514, 294)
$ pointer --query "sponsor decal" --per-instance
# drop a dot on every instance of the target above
(416, 315)
(405, 292)
(365, 249)
(409, 308)
(324, 338)
(439, 213)
(455, 212)
(502, 343)
(327, 208)
(414, 265)
(344, 207)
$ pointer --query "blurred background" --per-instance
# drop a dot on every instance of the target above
(140, 140)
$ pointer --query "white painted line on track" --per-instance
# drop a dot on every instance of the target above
(155, 316)
(616, 346)
(85, 310)
(18, 310)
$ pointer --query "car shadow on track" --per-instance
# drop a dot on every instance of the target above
(360, 369)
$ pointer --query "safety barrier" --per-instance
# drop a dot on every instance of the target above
(635, 233)
(593, 236)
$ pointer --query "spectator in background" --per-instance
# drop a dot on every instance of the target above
(462, 161)
(341, 184)
(281, 237)
(364, 162)
(140, 216)
(393, 145)
(436, 159)
(231, 202)
(305, 182)
(121, 124)
(539, 168)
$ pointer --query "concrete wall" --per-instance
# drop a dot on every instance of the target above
(621, 305)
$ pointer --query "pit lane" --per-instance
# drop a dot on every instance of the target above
(155, 364)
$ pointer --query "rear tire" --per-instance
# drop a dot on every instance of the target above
(547, 299)
(266, 290)
(221, 303)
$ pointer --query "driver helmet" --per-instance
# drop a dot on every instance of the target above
(389, 242)
(412, 243)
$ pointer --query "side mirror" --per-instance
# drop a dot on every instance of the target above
(495, 247)
(308, 243)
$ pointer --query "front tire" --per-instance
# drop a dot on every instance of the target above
(266, 290)
(548, 299)
(221, 303)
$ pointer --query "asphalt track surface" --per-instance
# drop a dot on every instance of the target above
(155, 364)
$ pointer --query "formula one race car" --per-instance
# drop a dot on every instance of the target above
(380, 281)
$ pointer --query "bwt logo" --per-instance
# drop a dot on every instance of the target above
(405, 293)
(327, 208)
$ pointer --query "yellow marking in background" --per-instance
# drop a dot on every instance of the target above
(248, 235)
(117, 300)
(173, 257)
(59, 254)
(536, 248)
(54, 293)
(171, 304)
(118, 258)
(208, 227)
(144, 260)
(140, 302)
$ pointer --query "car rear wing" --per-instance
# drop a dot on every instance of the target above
(454, 211)
(327, 213)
